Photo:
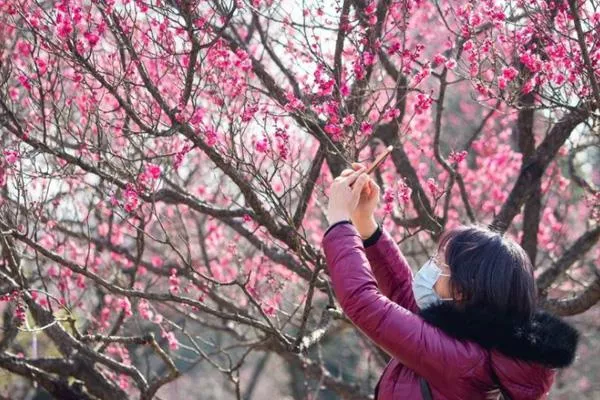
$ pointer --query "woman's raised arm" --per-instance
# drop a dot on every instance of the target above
(392, 272)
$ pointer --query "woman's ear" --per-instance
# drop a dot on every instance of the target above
(457, 293)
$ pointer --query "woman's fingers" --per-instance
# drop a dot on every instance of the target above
(359, 184)
(350, 179)
(355, 167)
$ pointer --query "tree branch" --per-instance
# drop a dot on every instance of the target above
(533, 205)
(581, 246)
(58, 387)
(534, 169)
(339, 43)
(575, 305)
(311, 180)
(591, 70)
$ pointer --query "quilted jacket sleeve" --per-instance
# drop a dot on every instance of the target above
(391, 270)
(400, 332)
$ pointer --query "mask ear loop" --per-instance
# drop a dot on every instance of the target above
(438, 263)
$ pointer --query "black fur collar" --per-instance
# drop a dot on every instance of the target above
(545, 339)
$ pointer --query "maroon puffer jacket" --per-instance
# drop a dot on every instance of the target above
(456, 351)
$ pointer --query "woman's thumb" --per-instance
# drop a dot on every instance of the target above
(374, 187)
(359, 184)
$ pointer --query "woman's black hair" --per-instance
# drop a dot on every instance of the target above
(489, 271)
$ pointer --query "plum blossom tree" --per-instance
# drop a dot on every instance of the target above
(164, 166)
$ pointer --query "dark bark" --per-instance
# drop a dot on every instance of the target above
(581, 246)
(532, 171)
(575, 305)
(533, 205)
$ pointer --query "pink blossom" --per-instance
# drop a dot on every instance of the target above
(180, 117)
(125, 306)
(171, 340)
(144, 309)
(348, 120)
(451, 64)
(13, 93)
(243, 62)
(156, 261)
(54, 273)
(211, 137)
(11, 156)
(173, 281)
(392, 113)
(283, 149)
(433, 187)
(123, 382)
(423, 103)
(293, 103)
(345, 90)
(481, 89)
(20, 314)
(394, 47)
(103, 229)
(197, 116)
(65, 28)
(117, 237)
(42, 65)
(532, 62)
(527, 87)
(425, 72)
(558, 78)
(388, 195)
(366, 128)
(262, 146)
(113, 200)
(180, 155)
(153, 171)
(249, 112)
(368, 58)
(456, 158)
(334, 130)
(359, 71)
(24, 48)
(502, 83)
(404, 192)
(24, 80)
(131, 200)
(91, 38)
(269, 310)
(439, 59)
(326, 87)
(509, 73)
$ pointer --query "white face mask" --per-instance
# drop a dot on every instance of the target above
(423, 284)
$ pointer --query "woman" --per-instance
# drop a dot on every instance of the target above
(465, 328)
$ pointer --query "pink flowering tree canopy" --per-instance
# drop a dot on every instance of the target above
(164, 167)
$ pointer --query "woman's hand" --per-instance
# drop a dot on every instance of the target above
(345, 194)
(363, 216)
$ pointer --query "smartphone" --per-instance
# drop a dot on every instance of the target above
(379, 159)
